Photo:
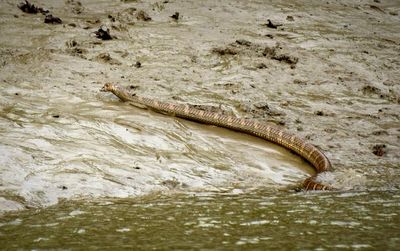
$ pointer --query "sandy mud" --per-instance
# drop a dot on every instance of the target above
(328, 72)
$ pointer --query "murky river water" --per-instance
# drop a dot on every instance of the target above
(208, 221)
(87, 171)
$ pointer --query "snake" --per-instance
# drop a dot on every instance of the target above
(268, 132)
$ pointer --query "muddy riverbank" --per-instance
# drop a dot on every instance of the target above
(327, 72)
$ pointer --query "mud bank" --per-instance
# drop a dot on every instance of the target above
(327, 72)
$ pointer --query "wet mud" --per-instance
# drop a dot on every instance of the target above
(325, 71)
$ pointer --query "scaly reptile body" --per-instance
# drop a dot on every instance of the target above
(271, 133)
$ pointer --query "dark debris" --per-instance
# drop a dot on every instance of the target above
(271, 25)
(103, 34)
(175, 16)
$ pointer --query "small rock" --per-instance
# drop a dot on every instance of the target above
(138, 64)
(175, 16)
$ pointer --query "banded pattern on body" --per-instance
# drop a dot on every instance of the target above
(271, 133)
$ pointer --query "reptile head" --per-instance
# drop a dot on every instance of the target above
(108, 87)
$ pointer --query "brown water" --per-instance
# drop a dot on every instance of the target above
(213, 221)
(61, 139)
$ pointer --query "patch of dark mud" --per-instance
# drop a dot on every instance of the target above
(324, 113)
(299, 82)
(143, 16)
(286, 58)
(261, 66)
(106, 58)
(210, 108)
(290, 18)
(262, 110)
(225, 51)
(173, 184)
(76, 6)
(379, 149)
(50, 19)
(92, 23)
(369, 89)
(243, 42)
(390, 95)
(376, 8)
(240, 46)
(269, 51)
(74, 49)
(127, 16)
(380, 132)
(330, 130)
(30, 8)
(247, 48)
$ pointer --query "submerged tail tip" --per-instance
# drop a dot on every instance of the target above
(311, 184)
